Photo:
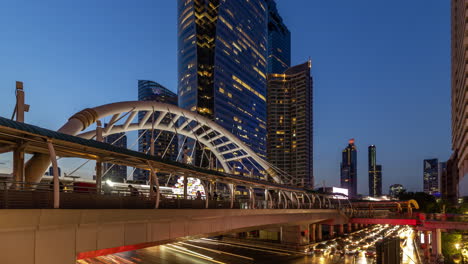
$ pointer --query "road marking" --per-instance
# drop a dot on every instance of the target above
(216, 251)
(193, 255)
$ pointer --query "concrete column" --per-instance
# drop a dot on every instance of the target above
(350, 227)
(426, 243)
(313, 231)
(356, 227)
(295, 235)
(436, 243)
(332, 230)
(319, 232)
(341, 229)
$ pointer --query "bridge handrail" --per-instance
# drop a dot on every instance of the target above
(85, 195)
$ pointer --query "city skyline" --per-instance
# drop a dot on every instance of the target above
(329, 91)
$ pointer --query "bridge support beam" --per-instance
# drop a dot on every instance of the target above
(341, 229)
(426, 243)
(436, 242)
(331, 231)
(295, 235)
(313, 233)
(319, 232)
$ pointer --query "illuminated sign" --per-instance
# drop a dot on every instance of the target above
(340, 190)
(193, 186)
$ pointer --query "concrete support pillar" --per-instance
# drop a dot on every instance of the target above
(313, 233)
(332, 230)
(295, 235)
(319, 232)
(341, 229)
(436, 243)
(426, 243)
(350, 227)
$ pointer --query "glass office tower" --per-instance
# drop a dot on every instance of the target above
(279, 41)
(375, 173)
(431, 176)
(290, 123)
(114, 172)
(153, 91)
(349, 169)
(222, 65)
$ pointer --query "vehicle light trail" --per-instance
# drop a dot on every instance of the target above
(216, 251)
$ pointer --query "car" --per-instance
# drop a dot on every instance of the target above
(371, 252)
(351, 250)
(321, 249)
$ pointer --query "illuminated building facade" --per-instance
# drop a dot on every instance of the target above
(290, 123)
(459, 91)
(431, 176)
(279, 41)
(166, 144)
(375, 173)
(115, 173)
(222, 65)
(449, 187)
(349, 169)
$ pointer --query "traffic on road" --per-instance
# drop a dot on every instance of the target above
(357, 247)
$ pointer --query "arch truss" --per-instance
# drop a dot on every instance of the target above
(232, 154)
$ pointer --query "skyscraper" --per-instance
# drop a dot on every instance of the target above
(166, 145)
(115, 173)
(459, 159)
(375, 173)
(431, 176)
(279, 41)
(349, 169)
(290, 123)
(222, 65)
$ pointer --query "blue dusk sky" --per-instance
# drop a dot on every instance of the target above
(381, 70)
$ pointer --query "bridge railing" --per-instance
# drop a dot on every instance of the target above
(22, 195)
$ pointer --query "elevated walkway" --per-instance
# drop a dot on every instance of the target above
(37, 236)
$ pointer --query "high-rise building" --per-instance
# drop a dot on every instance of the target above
(431, 176)
(449, 180)
(222, 65)
(51, 171)
(375, 173)
(166, 144)
(459, 92)
(279, 41)
(395, 190)
(290, 123)
(349, 169)
(114, 172)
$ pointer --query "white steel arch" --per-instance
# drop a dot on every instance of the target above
(224, 145)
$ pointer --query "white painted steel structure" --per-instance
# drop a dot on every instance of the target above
(227, 148)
